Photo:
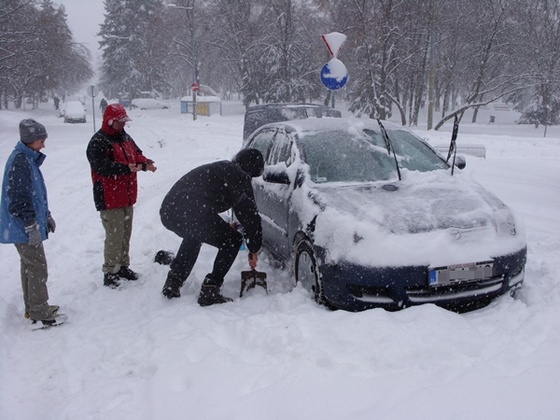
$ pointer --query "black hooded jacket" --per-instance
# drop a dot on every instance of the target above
(211, 189)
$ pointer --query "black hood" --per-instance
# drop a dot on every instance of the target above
(250, 161)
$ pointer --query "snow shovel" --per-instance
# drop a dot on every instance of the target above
(251, 279)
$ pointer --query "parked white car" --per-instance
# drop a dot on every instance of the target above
(74, 111)
(148, 103)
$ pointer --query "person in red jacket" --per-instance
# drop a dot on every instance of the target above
(115, 159)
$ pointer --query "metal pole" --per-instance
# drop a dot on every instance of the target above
(195, 75)
(93, 110)
(189, 8)
(432, 75)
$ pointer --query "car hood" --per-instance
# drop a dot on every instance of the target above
(402, 208)
(424, 216)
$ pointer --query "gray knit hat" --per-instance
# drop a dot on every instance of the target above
(30, 130)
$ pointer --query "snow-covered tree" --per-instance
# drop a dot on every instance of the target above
(238, 29)
(38, 55)
(134, 51)
(539, 56)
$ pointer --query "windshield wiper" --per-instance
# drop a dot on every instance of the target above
(389, 146)
(453, 145)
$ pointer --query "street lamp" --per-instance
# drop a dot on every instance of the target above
(189, 8)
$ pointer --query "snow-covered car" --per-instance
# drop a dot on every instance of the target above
(74, 112)
(370, 215)
(148, 103)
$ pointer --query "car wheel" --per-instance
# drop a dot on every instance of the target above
(306, 271)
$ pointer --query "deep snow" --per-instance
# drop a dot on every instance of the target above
(131, 354)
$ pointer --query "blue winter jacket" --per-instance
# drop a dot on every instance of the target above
(24, 196)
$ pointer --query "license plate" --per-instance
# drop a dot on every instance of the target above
(460, 273)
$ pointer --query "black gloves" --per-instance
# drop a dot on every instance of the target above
(51, 225)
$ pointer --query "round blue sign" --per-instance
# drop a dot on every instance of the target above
(334, 74)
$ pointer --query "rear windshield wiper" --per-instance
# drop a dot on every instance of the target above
(389, 146)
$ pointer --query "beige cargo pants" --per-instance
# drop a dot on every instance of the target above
(118, 230)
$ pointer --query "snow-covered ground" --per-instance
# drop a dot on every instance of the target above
(132, 354)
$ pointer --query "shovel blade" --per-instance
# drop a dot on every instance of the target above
(251, 279)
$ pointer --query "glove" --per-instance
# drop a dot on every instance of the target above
(34, 235)
(51, 225)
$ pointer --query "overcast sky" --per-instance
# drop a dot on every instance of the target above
(84, 18)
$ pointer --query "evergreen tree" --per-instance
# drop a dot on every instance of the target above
(133, 50)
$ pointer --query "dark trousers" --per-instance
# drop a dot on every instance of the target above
(211, 230)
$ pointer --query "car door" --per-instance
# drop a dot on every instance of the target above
(273, 199)
(263, 142)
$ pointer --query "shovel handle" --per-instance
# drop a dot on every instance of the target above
(253, 259)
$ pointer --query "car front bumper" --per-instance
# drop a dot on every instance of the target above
(357, 288)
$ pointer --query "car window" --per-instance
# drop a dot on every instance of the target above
(344, 156)
(263, 143)
(281, 149)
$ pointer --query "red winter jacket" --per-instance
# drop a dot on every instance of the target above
(114, 184)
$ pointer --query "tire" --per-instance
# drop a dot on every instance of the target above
(307, 273)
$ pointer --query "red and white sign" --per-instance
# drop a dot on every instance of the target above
(334, 42)
(195, 87)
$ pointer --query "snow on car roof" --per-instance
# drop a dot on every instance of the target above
(313, 124)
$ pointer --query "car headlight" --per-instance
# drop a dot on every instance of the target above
(505, 222)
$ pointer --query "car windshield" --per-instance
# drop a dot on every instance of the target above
(361, 156)
(412, 153)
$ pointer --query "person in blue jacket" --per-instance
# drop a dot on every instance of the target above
(25, 219)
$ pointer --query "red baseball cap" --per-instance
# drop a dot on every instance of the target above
(115, 112)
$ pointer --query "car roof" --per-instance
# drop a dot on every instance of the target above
(329, 124)
(255, 108)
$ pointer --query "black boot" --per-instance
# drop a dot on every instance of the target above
(210, 292)
(127, 273)
(172, 287)
(111, 280)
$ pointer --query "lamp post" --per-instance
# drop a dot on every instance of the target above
(189, 8)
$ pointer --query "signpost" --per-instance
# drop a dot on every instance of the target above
(195, 89)
(334, 74)
(93, 91)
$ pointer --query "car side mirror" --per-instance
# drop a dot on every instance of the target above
(276, 177)
(460, 161)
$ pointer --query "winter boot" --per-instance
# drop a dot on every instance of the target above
(53, 309)
(210, 292)
(127, 273)
(52, 313)
(111, 280)
(172, 287)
